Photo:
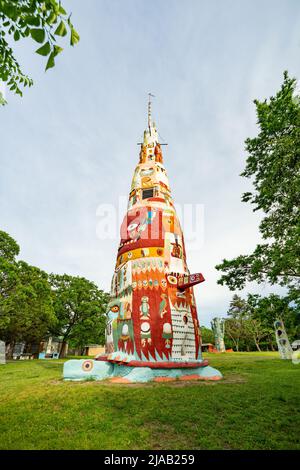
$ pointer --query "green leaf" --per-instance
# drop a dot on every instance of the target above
(74, 37)
(51, 62)
(26, 31)
(33, 20)
(17, 35)
(57, 50)
(3, 102)
(52, 18)
(61, 29)
(62, 11)
(37, 34)
(44, 50)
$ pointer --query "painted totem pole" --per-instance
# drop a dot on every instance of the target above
(152, 329)
(284, 348)
(2, 352)
(218, 327)
(296, 351)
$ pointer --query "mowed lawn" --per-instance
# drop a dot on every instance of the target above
(256, 406)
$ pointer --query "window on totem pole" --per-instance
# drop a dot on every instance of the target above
(147, 193)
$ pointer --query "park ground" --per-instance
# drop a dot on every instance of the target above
(255, 406)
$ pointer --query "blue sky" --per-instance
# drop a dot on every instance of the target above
(69, 144)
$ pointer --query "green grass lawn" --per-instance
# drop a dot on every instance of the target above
(256, 406)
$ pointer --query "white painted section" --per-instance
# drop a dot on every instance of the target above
(183, 335)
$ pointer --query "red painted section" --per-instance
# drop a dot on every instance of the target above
(120, 380)
(156, 199)
(126, 343)
(156, 365)
(190, 377)
(101, 358)
(153, 295)
(162, 365)
(139, 231)
(191, 280)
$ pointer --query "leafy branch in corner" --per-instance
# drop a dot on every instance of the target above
(44, 21)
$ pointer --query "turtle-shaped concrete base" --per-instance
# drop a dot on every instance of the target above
(88, 369)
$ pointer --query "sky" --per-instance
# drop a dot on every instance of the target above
(69, 146)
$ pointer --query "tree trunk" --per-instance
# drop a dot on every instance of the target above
(257, 345)
(62, 352)
(10, 349)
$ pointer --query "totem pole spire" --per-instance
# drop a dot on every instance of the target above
(149, 111)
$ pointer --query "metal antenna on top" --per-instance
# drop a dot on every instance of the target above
(149, 110)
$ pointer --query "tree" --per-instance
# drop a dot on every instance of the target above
(31, 307)
(41, 20)
(26, 310)
(80, 308)
(234, 325)
(250, 321)
(207, 335)
(273, 163)
(255, 329)
(9, 248)
(273, 307)
(233, 331)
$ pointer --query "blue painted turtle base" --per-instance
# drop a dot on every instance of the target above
(88, 369)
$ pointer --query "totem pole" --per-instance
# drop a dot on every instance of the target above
(284, 347)
(218, 327)
(2, 352)
(152, 331)
(296, 351)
